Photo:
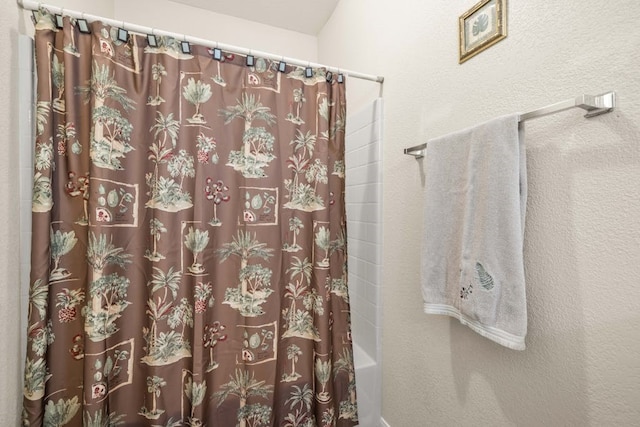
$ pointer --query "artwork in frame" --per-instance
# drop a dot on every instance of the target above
(482, 26)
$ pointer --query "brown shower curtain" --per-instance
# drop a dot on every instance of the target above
(189, 238)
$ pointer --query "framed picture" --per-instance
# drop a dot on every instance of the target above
(484, 25)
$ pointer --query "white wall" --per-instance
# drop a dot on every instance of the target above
(98, 7)
(582, 248)
(95, 7)
(180, 18)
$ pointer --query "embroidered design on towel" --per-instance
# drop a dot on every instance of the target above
(485, 279)
(465, 292)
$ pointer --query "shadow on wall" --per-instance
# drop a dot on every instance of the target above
(547, 383)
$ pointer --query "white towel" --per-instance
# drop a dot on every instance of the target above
(475, 202)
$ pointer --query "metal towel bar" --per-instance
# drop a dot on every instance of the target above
(594, 105)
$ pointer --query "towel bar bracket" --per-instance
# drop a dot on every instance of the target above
(596, 105)
(418, 151)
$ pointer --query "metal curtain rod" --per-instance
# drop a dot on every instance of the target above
(34, 5)
(594, 105)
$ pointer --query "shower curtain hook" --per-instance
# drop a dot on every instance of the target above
(282, 66)
(60, 18)
(34, 14)
(151, 39)
(83, 26)
(308, 72)
(123, 34)
(250, 59)
(185, 45)
(217, 53)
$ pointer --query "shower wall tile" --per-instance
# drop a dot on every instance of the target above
(25, 163)
(365, 212)
(25, 215)
(363, 155)
(359, 230)
(370, 253)
(365, 193)
(364, 334)
(363, 182)
(371, 293)
(364, 118)
(365, 174)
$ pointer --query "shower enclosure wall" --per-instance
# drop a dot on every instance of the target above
(364, 224)
(25, 141)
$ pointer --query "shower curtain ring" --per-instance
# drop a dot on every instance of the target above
(250, 60)
(60, 21)
(151, 39)
(185, 45)
(217, 53)
(123, 34)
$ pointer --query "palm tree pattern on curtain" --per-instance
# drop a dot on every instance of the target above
(189, 239)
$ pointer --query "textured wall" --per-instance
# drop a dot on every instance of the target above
(582, 243)
(177, 17)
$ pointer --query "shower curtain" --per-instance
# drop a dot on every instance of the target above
(189, 237)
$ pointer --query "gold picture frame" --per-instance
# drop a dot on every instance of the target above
(482, 26)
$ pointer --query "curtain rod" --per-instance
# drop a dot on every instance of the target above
(34, 5)
(594, 105)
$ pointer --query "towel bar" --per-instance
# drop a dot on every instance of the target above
(594, 105)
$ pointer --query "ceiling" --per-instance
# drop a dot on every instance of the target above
(304, 16)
